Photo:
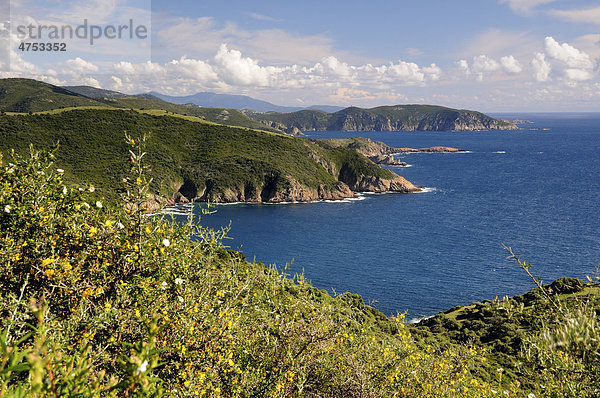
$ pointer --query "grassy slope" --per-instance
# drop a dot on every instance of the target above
(93, 147)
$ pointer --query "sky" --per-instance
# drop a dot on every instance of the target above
(487, 55)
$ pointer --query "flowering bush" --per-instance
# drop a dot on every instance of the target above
(100, 299)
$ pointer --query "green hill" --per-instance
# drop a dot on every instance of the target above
(26, 95)
(387, 118)
(198, 161)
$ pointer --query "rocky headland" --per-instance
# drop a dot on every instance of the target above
(383, 154)
(384, 118)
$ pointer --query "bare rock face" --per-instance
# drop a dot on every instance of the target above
(387, 160)
(272, 192)
(295, 131)
(297, 192)
(379, 185)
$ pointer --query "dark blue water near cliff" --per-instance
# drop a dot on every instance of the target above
(535, 190)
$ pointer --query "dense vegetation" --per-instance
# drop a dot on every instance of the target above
(387, 118)
(100, 300)
(218, 162)
(522, 339)
(26, 95)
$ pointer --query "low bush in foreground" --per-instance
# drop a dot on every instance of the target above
(101, 300)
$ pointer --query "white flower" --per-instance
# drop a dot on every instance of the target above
(60, 170)
(7, 208)
(531, 395)
(142, 368)
(179, 281)
(120, 225)
(166, 242)
(92, 189)
(180, 299)
(86, 205)
(163, 285)
(98, 204)
(65, 190)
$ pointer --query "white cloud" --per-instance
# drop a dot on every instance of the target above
(192, 69)
(590, 44)
(541, 68)
(79, 65)
(482, 64)
(235, 69)
(568, 54)
(578, 74)
(152, 68)
(339, 68)
(575, 64)
(463, 65)
(525, 6)
(82, 80)
(117, 83)
(510, 64)
(433, 72)
(588, 15)
(405, 71)
(124, 67)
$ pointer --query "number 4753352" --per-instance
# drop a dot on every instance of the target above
(43, 46)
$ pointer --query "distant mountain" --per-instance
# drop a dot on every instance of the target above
(385, 118)
(236, 102)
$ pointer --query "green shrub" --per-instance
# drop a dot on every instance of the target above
(100, 300)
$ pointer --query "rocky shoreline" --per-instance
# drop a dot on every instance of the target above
(347, 187)
(289, 190)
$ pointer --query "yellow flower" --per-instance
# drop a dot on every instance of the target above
(67, 266)
(47, 261)
(137, 313)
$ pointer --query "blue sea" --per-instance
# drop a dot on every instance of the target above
(536, 190)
